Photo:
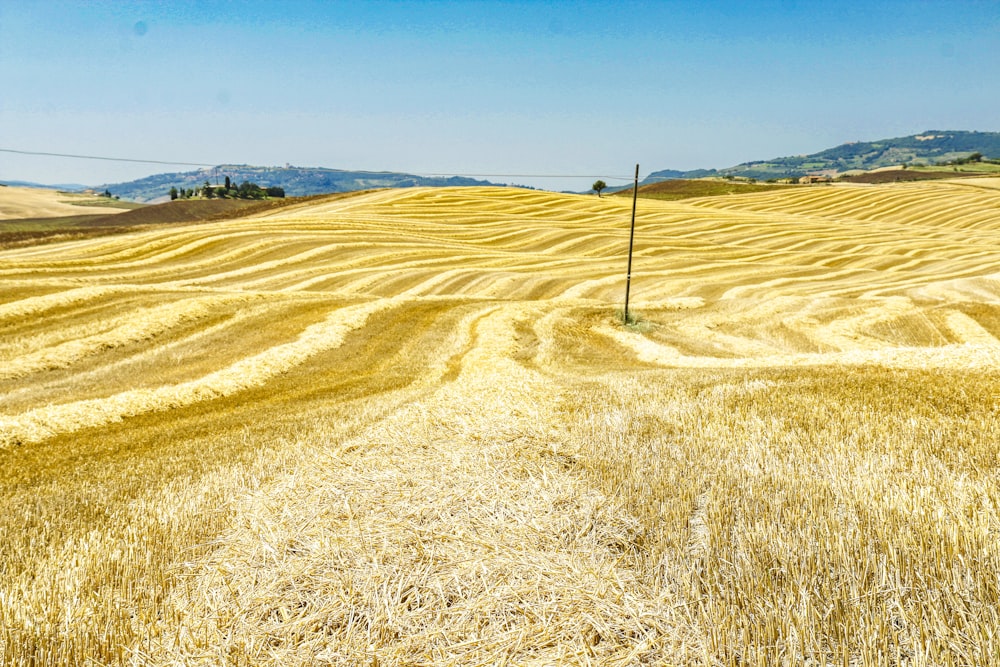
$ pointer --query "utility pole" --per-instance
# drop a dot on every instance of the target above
(631, 242)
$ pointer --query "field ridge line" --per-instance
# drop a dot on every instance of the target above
(142, 324)
(39, 304)
(960, 356)
(42, 423)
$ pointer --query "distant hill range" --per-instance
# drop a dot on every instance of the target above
(70, 187)
(928, 148)
(297, 181)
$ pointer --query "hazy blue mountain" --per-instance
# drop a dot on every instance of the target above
(925, 148)
(72, 187)
(297, 181)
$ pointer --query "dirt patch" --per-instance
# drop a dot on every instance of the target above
(35, 231)
(901, 175)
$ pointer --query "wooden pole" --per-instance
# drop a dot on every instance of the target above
(631, 242)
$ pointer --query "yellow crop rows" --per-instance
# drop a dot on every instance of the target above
(407, 427)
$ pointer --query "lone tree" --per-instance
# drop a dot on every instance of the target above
(598, 186)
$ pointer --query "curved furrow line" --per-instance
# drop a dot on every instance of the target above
(812, 247)
(791, 200)
(11, 290)
(168, 263)
(499, 237)
(521, 287)
(978, 289)
(193, 273)
(915, 285)
(924, 210)
(824, 331)
(140, 325)
(42, 423)
(80, 320)
(430, 282)
(389, 264)
(345, 259)
(887, 206)
(983, 222)
(277, 258)
(845, 207)
(326, 278)
(190, 350)
(961, 357)
(835, 203)
(287, 257)
(592, 244)
(124, 251)
(907, 207)
(37, 305)
(399, 232)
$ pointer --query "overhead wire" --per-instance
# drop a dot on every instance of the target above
(109, 159)
(291, 168)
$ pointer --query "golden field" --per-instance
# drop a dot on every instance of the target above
(19, 202)
(406, 428)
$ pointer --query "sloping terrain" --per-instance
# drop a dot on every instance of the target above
(680, 188)
(931, 147)
(20, 202)
(406, 427)
(34, 231)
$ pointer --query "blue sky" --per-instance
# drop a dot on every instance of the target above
(587, 88)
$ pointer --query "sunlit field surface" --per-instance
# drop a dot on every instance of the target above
(407, 427)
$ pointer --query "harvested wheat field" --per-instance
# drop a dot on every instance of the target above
(20, 202)
(407, 428)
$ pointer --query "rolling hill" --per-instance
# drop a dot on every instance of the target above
(297, 181)
(18, 203)
(408, 427)
(925, 148)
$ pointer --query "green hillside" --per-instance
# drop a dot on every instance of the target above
(927, 148)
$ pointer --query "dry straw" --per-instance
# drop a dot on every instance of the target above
(789, 460)
(41, 423)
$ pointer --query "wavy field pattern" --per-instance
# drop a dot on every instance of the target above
(405, 427)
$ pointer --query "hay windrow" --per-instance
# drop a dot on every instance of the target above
(39, 304)
(440, 534)
(41, 423)
(139, 325)
(970, 356)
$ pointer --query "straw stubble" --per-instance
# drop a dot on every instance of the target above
(423, 438)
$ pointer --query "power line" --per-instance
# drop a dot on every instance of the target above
(360, 171)
(616, 178)
(109, 159)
